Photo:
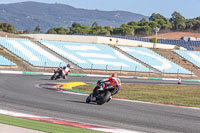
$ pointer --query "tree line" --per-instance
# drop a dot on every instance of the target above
(133, 28)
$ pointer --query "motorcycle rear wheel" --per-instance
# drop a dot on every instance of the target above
(104, 99)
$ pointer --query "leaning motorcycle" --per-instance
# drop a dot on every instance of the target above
(57, 74)
(102, 96)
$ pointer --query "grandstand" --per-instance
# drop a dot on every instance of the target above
(154, 60)
(6, 62)
(186, 44)
(96, 53)
(94, 56)
(30, 52)
(139, 40)
(191, 56)
(182, 43)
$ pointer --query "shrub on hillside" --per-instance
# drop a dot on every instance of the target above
(153, 40)
(177, 47)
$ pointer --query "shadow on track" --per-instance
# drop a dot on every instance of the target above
(80, 102)
(53, 80)
(46, 79)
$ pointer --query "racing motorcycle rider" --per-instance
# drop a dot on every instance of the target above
(66, 70)
(108, 83)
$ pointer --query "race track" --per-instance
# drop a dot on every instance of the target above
(20, 93)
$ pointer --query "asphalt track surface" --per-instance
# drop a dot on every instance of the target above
(20, 93)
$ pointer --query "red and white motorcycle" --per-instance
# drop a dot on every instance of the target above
(60, 73)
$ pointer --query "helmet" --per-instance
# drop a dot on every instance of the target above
(68, 65)
(114, 75)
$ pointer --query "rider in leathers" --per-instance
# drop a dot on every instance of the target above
(108, 83)
(65, 71)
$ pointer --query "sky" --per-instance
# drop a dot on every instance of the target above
(187, 8)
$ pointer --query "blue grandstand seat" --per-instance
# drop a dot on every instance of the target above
(94, 56)
(153, 59)
(6, 62)
(191, 56)
(31, 52)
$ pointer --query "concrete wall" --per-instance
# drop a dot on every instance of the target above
(70, 38)
(98, 40)
(126, 42)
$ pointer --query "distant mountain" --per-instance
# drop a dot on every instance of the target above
(27, 15)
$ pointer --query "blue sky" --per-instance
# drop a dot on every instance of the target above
(188, 8)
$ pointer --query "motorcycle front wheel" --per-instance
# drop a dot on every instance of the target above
(52, 77)
(88, 99)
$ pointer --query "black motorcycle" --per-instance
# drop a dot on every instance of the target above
(102, 96)
(57, 74)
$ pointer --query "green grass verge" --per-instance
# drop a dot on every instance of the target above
(166, 94)
(41, 126)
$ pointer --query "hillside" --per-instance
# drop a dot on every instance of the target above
(175, 35)
(27, 15)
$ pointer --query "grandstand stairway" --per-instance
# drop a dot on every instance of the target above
(23, 57)
(172, 56)
(135, 59)
(20, 63)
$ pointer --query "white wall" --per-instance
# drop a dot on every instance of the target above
(70, 38)
(98, 40)
(126, 42)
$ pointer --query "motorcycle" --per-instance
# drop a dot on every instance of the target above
(57, 74)
(103, 95)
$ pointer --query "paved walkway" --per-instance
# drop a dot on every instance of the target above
(12, 129)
